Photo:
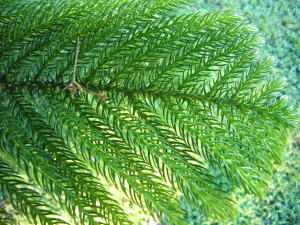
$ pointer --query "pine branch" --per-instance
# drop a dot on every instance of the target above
(153, 100)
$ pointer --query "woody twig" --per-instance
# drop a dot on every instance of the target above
(73, 86)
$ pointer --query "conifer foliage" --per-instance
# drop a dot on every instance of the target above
(136, 94)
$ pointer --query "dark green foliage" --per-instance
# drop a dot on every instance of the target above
(157, 101)
(278, 22)
(280, 205)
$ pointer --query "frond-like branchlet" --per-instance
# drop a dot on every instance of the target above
(25, 198)
(138, 95)
(80, 189)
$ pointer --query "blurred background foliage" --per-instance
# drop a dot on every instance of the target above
(278, 23)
